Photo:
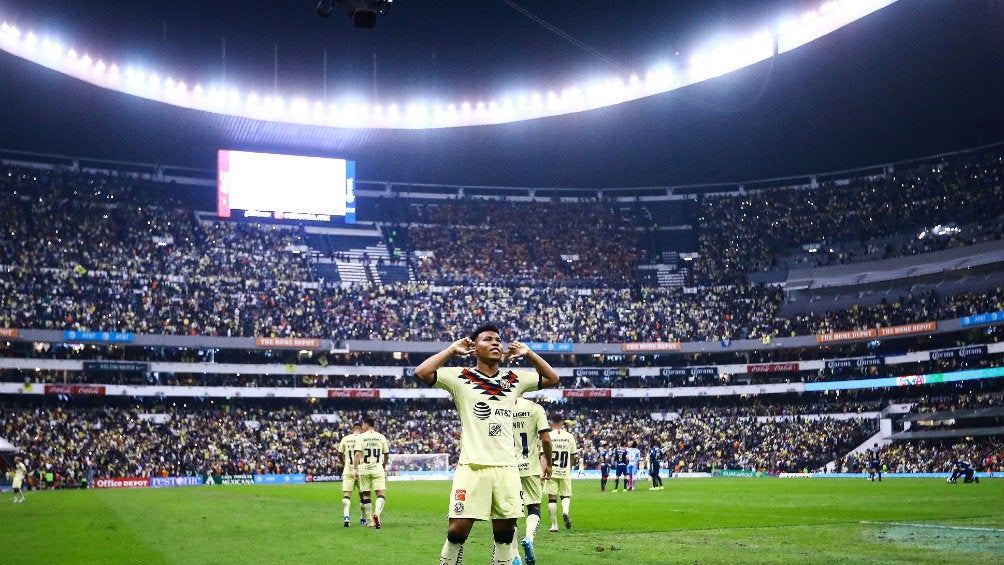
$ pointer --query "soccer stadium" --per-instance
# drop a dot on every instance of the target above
(760, 245)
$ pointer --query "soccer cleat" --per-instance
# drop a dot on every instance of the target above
(531, 557)
(517, 561)
(376, 521)
(347, 520)
(568, 521)
(553, 529)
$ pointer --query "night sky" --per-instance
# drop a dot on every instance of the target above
(915, 79)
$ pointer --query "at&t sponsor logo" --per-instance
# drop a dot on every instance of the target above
(482, 410)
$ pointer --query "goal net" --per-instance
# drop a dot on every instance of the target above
(410, 462)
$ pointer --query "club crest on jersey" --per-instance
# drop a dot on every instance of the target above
(495, 429)
(458, 508)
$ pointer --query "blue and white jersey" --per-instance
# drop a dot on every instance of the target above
(634, 456)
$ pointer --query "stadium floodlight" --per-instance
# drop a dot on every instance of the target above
(661, 79)
(52, 49)
(299, 108)
(416, 112)
(317, 110)
(253, 104)
(831, 16)
(787, 35)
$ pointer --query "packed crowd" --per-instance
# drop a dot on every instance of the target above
(103, 256)
(876, 249)
(423, 312)
(926, 456)
(479, 242)
(752, 232)
(99, 253)
(114, 442)
(969, 401)
(702, 439)
(75, 442)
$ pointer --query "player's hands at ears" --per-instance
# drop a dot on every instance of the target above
(462, 347)
(517, 350)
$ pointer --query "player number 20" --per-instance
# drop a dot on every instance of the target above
(559, 459)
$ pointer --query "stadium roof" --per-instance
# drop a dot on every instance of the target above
(911, 80)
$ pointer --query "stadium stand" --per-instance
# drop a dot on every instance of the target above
(720, 288)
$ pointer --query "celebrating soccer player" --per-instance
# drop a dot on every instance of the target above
(486, 484)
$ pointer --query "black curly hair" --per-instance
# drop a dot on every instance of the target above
(484, 328)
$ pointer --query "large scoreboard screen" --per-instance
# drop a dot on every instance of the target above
(285, 187)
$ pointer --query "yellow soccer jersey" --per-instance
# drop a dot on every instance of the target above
(20, 471)
(563, 448)
(374, 446)
(485, 404)
(347, 448)
(528, 421)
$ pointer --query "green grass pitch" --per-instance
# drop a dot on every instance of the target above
(740, 521)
